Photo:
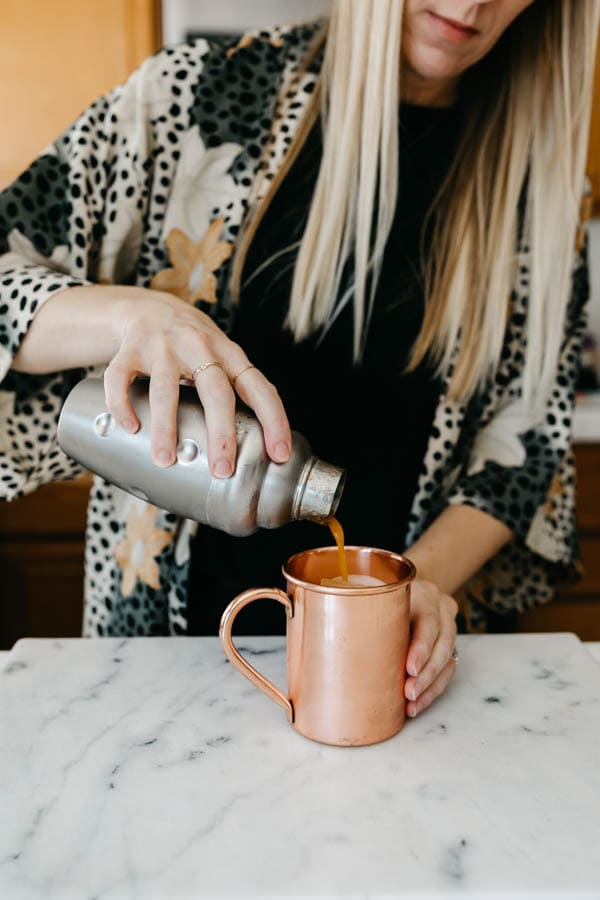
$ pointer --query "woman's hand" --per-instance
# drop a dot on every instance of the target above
(164, 338)
(430, 663)
(139, 331)
(450, 551)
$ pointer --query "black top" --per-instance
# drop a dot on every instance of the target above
(373, 419)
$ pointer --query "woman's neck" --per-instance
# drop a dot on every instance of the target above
(420, 91)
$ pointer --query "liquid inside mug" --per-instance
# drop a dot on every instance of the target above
(346, 647)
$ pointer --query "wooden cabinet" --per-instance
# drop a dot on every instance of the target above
(42, 549)
(41, 562)
(577, 607)
(56, 57)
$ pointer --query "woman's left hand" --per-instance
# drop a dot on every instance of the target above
(430, 663)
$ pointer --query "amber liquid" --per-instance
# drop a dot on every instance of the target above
(343, 579)
(338, 535)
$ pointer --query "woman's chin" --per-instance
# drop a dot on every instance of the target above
(433, 72)
(435, 64)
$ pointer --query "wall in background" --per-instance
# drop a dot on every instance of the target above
(55, 58)
(594, 324)
(232, 16)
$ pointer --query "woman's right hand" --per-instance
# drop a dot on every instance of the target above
(138, 331)
(163, 337)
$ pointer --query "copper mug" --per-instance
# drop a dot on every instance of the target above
(346, 646)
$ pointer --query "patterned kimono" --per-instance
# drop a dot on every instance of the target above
(150, 186)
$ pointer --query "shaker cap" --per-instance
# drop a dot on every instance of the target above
(319, 490)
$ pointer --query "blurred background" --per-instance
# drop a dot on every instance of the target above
(54, 59)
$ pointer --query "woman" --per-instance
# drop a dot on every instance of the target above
(380, 212)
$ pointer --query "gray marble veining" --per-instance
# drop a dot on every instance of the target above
(149, 768)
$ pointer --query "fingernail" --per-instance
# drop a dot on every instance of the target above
(411, 693)
(163, 458)
(129, 425)
(222, 468)
(282, 451)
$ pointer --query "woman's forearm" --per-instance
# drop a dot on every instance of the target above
(79, 326)
(456, 545)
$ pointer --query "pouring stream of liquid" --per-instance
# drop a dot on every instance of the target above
(338, 534)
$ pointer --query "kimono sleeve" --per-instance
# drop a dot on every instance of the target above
(75, 216)
(525, 477)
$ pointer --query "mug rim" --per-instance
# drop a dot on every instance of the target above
(351, 591)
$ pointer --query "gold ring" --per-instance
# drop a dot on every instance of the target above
(455, 656)
(202, 368)
(241, 372)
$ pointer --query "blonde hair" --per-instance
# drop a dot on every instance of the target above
(525, 138)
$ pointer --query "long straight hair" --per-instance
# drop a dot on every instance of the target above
(523, 149)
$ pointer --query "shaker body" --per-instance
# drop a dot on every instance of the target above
(260, 493)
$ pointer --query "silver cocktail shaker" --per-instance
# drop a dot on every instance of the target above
(260, 493)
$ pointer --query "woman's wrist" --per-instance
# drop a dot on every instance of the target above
(126, 311)
(78, 327)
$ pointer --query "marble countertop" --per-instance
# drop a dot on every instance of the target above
(149, 768)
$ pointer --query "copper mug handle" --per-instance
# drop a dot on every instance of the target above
(236, 658)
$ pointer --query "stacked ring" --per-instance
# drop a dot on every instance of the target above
(214, 362)
(241, 372)
(204, 366)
